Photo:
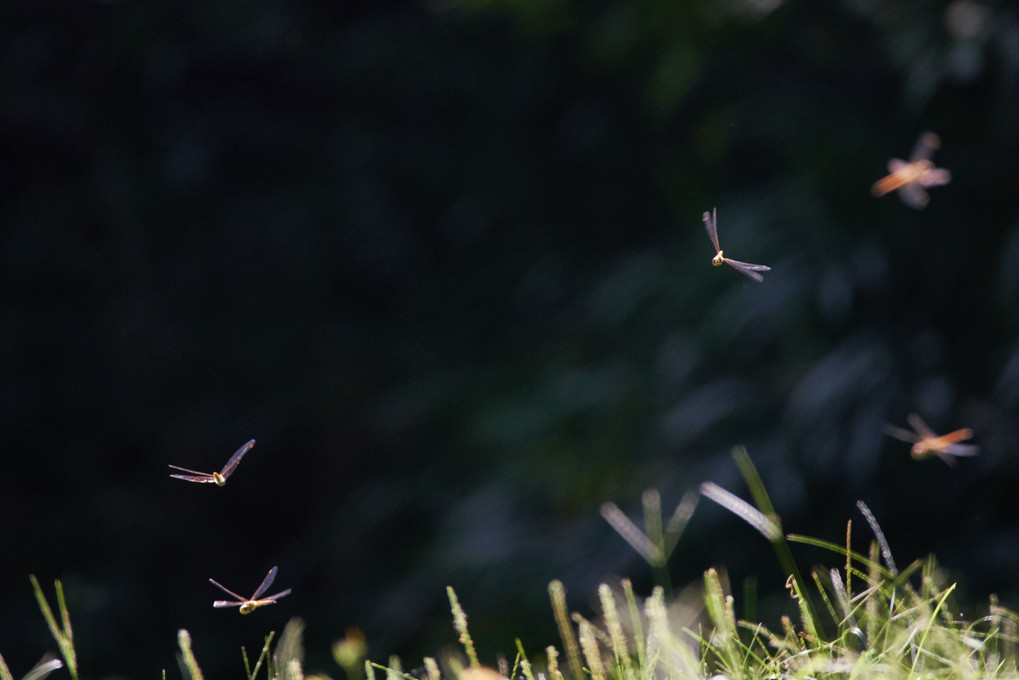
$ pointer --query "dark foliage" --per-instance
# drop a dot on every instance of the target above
(445, 263)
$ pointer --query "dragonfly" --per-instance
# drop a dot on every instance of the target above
(926, 443)
(217, 478)
(250, 604)
(910, 177)
(751, 270)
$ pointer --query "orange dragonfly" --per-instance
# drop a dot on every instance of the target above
(751, 270)
(217, 478)
(909, 178)
(250, 604)
(926, 443)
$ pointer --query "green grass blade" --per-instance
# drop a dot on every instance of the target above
(63, 636)
(557, 593)
(460, 624)
(187, 656)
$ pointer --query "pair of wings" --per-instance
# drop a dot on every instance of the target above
(211, 477)
(241, 601)
(751, 270)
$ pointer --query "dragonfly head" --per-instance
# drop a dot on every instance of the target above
(219, 479)
(920, 450)
(717, 260)
(248, 607)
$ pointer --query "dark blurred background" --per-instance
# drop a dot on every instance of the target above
(445, 263)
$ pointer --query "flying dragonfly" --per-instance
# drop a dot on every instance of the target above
(217, 478)
(909, 178)
(926, 443)
(250, 604)
(751, 270)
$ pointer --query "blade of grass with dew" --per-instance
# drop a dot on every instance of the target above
(886, 550)
(262, 656)
(760, 495)
(589, 646)
(635, 621)
(350, 653)
(557, 594)
(631, 533)
(651, 501)
(187, 658)
(676, 525)
(552, 662)
(615, 629)
(720, 609)
(842, 598)
(525, 663)
(836, 548)
(460, 624)
(289, 654)
(63, 634)
(432, 669)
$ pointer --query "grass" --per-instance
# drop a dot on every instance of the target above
(863, 619)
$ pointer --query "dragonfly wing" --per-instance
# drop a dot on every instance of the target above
(917, 423)
(914, 196)
(282, 593)
(935, 177)
(269, 578)
(751, 270)
(896, 164)
(219, 604)
(200, 479)
(925, 147)
(194, 472)
(227, 591)
(899, 433)
(711, 224)
(962, 450)
(236, 459)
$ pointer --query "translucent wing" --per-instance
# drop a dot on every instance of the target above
(935, 177)
(235, 459)
(899, 433)
(269, 578)
(282, 593)
(962, 450)
(896, 164)
(194, 472)
(195, 476)
(925, 147)
(750, 270)
(221, 603)
(913, 195)
(917, 423)
(711, 224)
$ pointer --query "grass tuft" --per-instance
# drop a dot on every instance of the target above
(62, 633)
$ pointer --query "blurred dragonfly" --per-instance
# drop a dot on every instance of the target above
(910, 178)
(926, 443)
(751, 270)
(217, 478)
(250, 604)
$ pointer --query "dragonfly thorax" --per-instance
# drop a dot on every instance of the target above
(717, 260)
